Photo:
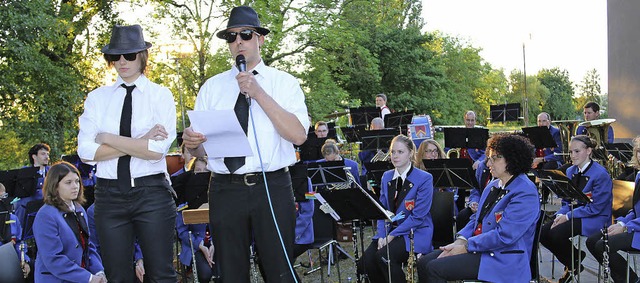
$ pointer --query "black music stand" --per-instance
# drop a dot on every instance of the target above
(311, 149)
(560, 184)
(621, 151)
(299, 181)
(540, 137)
(466, 137)
(26, 181)
(375, 170)
(505, 112)
(197, 189)
(398, 119)
(4, 217)
(363, 115)
(451, 173)
(377, 139)
(8, 179)
(352, 134)
(326, 173)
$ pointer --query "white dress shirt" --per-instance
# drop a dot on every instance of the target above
(221, 92)
(151, 104)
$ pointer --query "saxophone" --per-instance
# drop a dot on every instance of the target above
(411, 261)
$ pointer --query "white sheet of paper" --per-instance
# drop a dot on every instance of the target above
(225, 137)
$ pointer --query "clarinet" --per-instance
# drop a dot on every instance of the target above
(22, 261)
(193, 258)
(355, 248)
(411, 262)
(605, 255)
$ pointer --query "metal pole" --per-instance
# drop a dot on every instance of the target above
(524, 100)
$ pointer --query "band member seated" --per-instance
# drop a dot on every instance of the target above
(321, 129)
(586, 218)
(38, 157)
(405, 190)
(476, 154)
(13, 232)
(331, 152)
(624, 235)
(497, 243)
(550, 158)
(65, 253)
(592, 112)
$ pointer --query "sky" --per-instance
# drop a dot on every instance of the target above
(568, 34)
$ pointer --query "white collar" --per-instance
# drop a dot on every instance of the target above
(402, 175)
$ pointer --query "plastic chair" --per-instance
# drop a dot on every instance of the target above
(324, 239)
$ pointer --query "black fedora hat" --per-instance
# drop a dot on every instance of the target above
(243, 16)
(126, 39)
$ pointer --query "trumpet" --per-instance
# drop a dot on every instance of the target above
(193, 258)
(411, 261)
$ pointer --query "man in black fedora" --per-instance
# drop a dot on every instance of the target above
(126, 129)
(242, 189)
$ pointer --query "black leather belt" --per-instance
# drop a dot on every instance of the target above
(146, 181)
(249, 179)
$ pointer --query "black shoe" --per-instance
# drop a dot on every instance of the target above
(570, 274)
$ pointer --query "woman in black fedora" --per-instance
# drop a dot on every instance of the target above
(127, 129)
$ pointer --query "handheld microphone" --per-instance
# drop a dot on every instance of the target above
(242, 67)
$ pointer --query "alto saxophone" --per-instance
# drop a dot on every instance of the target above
(411, 261)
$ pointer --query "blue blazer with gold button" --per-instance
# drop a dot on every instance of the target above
(508, 230)
(59, 250)
(416, 206)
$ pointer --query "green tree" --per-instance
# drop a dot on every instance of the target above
(536, 94)
(43, 70)
(559, 102)
(589, 90)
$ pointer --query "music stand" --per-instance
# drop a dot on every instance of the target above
(84, 168)
(451, 173)
(540, 137)
(299, 181)
(621, 151)
(311, 149)
(351, 134)
(4, 236)
(363, 115)
(398, 119)
(375, 170)
(326, 173)
(197, 189)
(377, 139)
(466, 137)
(8, 179)
(505, 112)
(26, 181)
(560, 184)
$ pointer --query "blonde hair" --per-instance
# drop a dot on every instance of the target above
(422, 148)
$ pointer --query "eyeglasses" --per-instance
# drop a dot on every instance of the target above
(430, 151)
(493, 158)
(246, 35)
(116, 57)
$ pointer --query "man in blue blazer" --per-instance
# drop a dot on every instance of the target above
(550, 158)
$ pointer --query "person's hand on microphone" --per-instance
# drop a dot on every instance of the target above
(248, 84)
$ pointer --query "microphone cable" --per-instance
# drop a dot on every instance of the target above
(266, 187)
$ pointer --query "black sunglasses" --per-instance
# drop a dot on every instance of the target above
(116, 57)
(246, 34)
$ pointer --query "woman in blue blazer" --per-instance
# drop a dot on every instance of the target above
(65, 253)
(587, 218)
(408, 191)
(497, 242)
(624, 235)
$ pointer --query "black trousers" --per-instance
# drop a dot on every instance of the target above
(432, 269)
(146, 213)
(617, 263)
(239, 213)
(374, 261)
(558, 242)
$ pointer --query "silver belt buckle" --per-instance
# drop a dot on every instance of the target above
(247, 182)
(133, 183)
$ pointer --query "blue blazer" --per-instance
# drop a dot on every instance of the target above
(59, 251)
(198, 232)
(416, 207)
(597, 214)
(549, 155)
(304, 219)
(582, 130)
(15, 231)
(508, 232)
(632, 220)
(475, 193)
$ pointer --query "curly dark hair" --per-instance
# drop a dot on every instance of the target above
(517, 151)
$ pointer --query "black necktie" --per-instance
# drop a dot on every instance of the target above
(242, 113)
(124, 173)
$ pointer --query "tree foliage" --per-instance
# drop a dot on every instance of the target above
(559, 102)
(589, 90)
